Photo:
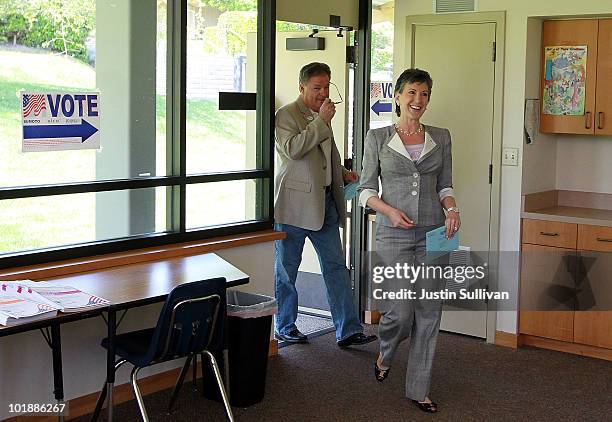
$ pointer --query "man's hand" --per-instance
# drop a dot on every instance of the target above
(350, 176)
(327, 111)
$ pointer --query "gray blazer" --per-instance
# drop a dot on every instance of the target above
(406, 185)
(299, 189)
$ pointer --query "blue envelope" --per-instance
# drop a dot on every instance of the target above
(350, 190)
(437, 244)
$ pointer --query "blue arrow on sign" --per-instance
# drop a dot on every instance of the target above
(83, 131)
(379, 107)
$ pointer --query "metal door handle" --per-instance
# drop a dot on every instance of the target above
(603, 239)
(549, 234)
(600, 120)
(587, 120)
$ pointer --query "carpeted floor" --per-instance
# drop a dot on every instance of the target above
(472, 381)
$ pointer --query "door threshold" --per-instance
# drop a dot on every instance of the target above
(314, 312)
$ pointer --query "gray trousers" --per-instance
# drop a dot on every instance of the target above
(409, 318)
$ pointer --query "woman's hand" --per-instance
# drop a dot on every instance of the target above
(399, 219)
(452, 223)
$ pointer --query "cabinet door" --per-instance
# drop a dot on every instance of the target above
(571, 33)
(593, 317)
(547, 292)
(603, 102)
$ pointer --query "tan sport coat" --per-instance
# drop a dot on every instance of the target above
(299, 189)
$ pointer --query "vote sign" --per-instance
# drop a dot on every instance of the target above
(381, 100)
(60, 121)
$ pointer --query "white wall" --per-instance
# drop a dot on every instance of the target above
(25, 359)
(515, 76)
(539, 158)
(316, 12)
(584, 163)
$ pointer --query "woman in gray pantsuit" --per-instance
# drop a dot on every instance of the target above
(414, 165)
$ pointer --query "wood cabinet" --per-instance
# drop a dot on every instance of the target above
(544, 270)
(596, 35)
(595, 327)
(565, 268)
(603, 91)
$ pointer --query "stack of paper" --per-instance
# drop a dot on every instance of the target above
(69, 299)
(20, 304)
(23, 300)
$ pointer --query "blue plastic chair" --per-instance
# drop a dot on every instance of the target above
(191, 323)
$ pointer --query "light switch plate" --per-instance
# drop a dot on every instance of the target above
(510, 156)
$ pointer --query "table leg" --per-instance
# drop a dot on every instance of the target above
(110, 362)
(58, 378)
(225, 353)
(226, 372)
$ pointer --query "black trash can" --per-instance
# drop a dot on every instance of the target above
(249, 319)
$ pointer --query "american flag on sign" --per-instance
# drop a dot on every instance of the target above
(375, 89)
(33, 103)
(95, 300)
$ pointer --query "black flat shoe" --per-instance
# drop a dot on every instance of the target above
(380, 374)
(295, 336)
(356, 339)
(426, 407)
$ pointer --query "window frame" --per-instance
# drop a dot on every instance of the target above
(176, 112)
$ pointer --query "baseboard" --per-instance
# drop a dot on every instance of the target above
(123, 393)
(273, 349)
(562, 346)
(505, 339)
(371, 317)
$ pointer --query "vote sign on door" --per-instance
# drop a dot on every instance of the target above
(381, 101)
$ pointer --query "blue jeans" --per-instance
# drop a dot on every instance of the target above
(288, 256)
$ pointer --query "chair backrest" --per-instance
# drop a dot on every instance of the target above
(190, 321)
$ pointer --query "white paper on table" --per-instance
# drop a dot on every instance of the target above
(68, 297)
(19, 303)
(24, 289)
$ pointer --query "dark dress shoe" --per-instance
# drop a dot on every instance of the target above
(380, 374)
(356, 339)
(295, 336)
(430, 407)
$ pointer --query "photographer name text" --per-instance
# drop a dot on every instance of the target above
(424, 294)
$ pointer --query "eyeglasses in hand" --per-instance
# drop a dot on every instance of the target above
(336, 99)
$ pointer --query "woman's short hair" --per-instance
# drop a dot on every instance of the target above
(410, 76)
(313, 69)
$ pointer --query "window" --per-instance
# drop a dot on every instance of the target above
(172, 166)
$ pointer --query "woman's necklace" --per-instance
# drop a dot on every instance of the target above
(407, 133)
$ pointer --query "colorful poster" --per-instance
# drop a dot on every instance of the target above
(564, 80)
(381, 101)
(60, 121)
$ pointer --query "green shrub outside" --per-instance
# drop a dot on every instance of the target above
(57, 25)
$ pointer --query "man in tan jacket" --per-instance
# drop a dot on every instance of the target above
(309, 202)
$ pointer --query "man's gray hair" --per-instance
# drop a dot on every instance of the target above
(313, 69)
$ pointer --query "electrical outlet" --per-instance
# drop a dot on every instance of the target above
(510, 156)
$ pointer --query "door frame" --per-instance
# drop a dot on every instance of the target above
(361, 122)
(408, 61)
